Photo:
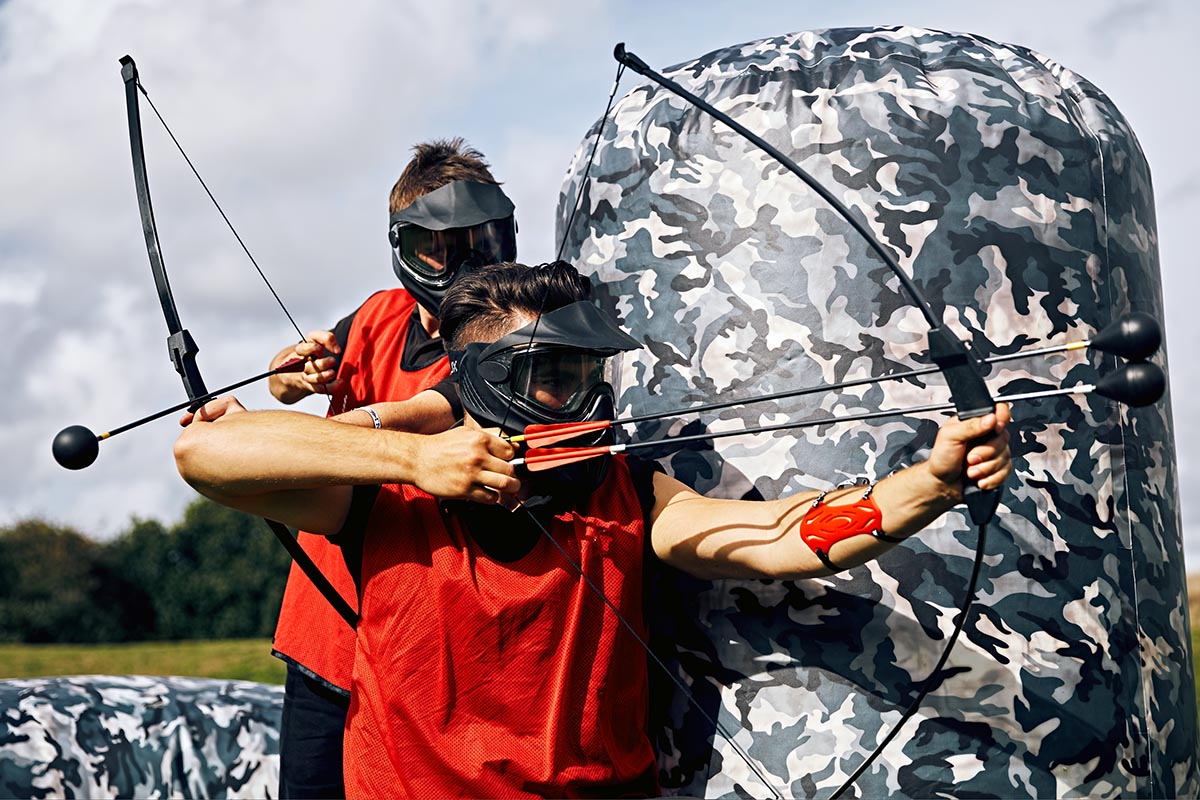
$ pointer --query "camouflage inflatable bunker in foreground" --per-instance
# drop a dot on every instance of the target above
(137, 736)
(1018, 197)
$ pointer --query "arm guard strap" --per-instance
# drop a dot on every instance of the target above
(824, 525)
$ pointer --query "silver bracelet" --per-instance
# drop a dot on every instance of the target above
(374, 417)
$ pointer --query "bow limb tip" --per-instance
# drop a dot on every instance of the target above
(630, 60)
(128, 68)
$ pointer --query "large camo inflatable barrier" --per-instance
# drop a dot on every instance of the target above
(138, 736)
(1018, 197)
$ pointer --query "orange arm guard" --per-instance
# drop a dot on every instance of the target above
(824, 526)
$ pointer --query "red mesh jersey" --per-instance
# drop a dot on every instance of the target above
(309, 631)
(475, 678)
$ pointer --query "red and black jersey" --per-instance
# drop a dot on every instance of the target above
(480, 678)
(309, 632)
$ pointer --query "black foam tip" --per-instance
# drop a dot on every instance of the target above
(76, 447)
(1135, 335)
(1138, 384)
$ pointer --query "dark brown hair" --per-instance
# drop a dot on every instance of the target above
(435, 164)
(482, 304)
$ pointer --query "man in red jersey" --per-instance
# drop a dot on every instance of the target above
(485, 664)
(448, 216)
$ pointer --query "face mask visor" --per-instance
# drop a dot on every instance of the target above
(564, 375)
(559, 382)
(433, 257)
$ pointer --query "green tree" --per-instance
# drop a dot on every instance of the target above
(217, 574)
(56, 585)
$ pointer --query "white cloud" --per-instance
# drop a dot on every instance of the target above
(300, 115)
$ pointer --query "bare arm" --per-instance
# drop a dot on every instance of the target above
(427, 412)
(298, 469)
(713, 538)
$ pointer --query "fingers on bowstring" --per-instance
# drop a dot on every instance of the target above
(321, 381)
(500, 483)
(494, 489)
(485, 495)
(325, 339)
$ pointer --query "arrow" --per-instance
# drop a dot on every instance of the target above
(76, 447)
(1135, 336)
(1138, 384)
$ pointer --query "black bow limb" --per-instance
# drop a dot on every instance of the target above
(76, 447)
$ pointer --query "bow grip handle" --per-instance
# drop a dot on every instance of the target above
(971, 399)
(981, 503)
(183, 349)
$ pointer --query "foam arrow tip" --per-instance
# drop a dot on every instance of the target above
(1137, 384)
(1135, 336)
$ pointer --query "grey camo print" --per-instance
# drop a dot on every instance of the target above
(1019, 198)
(137, 736)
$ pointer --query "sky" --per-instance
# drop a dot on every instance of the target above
(300, 115)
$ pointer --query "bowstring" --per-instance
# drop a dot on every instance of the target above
(931, 681)
(220, 210)
(717, 726)
(229, 224)
(562, 245)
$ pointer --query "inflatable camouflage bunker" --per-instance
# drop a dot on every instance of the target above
(1019, 199)
(137, 736)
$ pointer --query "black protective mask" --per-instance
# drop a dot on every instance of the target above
(459, 227)
(554, 370)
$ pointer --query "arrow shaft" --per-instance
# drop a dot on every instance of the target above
(548, 457)
(867, 415)
(808, 390)
(291, 366)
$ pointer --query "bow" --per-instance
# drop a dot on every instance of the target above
(180, 344)
(961, 368)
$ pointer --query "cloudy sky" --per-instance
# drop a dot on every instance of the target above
(299, 116)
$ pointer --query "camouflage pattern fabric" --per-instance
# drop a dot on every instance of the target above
(1019, 199)
(137, 736)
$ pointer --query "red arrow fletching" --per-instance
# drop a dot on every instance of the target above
(294, 365)
(542, 458)
(549, 434)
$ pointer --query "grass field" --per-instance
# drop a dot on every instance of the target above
(241, 659)
(1196, 660)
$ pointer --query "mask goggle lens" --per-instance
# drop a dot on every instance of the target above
(558, 379)
(436, 255)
